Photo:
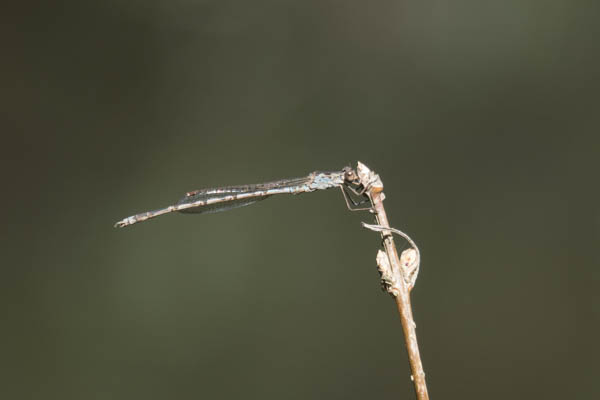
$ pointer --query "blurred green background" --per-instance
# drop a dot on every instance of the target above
(481, 117)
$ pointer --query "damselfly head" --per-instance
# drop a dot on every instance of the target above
(350, 176)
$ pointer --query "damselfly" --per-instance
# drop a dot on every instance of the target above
(225, 198)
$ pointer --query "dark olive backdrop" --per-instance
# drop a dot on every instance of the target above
(481, 118)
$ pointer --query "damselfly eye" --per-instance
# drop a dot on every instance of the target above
(349, 174)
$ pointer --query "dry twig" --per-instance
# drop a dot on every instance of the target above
(398, 274)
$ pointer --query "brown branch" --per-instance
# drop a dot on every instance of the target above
(401, 291)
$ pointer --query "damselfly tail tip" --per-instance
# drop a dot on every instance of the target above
(123, 223)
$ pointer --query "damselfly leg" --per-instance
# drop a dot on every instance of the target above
(354, 205)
